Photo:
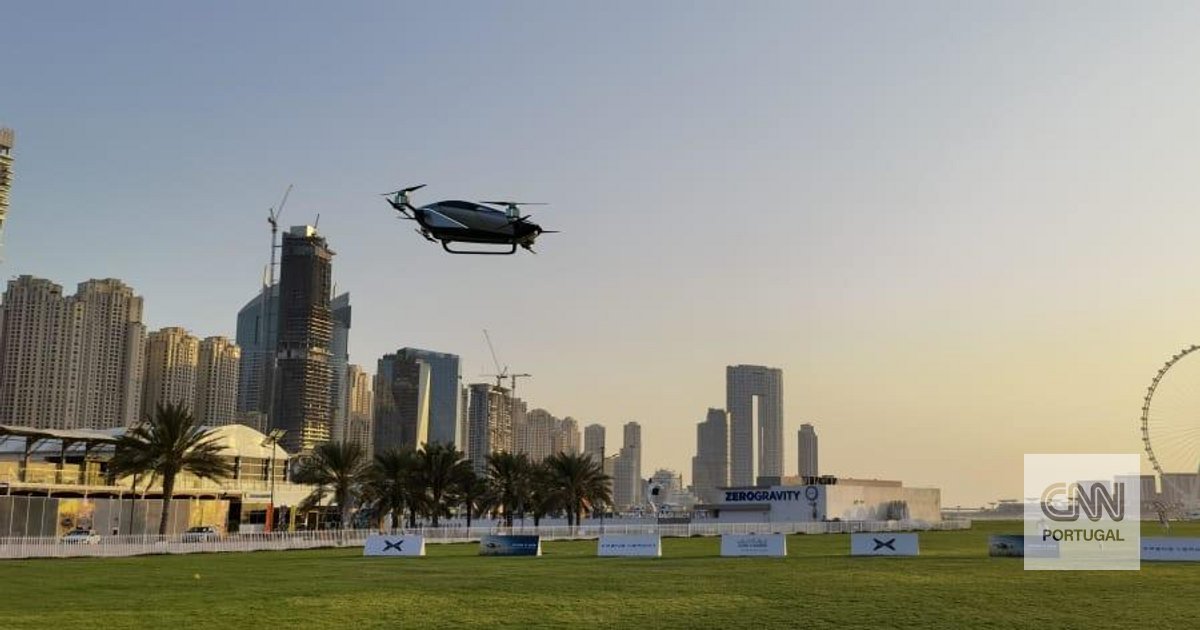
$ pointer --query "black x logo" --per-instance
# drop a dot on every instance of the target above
(389, 545)
(880, 544)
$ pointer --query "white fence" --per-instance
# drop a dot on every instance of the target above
(116, 546)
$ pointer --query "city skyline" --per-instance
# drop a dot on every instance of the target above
(949, 228)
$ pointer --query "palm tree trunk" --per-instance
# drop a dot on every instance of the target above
(168, 490)
(469, 515)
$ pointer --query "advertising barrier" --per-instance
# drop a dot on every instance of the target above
(754, 545)
(400, 545)
(503, 545)
(1016, 546)
(883, 545)
(1171, 549)
(646, 546)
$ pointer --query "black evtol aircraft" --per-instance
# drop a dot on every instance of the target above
(468, 222)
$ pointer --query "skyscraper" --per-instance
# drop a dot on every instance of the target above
(753, 391)
(39, 373)
(710, 466)
(305, 326)
(402, 397)
(339, 358)
(808, 451)
(6, 160)
(70, 362)
(534, 434)
(566, 437)
(520, 412)
(111, 346)
(172, 356)
(217, 370)
(445, 411)
(256, 327)
(360, 408)
(490, 424)
(593, 442)
(627, 480)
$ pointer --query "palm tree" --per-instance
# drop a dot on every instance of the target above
(439, 467)
(474, 492)
(508, 474)
(580, 483)
(166, 444)
(393, 483)
(337, 467)
(543, 497)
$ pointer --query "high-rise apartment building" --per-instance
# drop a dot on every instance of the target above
(112, 343)
(519, 410)
(710, 466)
(305, 328)
(172, 356)
(445, 408)
(627, 478)
(754, 399)
(360, 408)
(7, 139)
(339, 358)
(71, 362)
(217, 369)
(39, 373)
(256, 328)
(490, 424)
(593, 442)
(402, 397)
(807, 451)
(534, 436)
(566, 438)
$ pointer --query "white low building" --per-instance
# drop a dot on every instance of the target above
(840, 500)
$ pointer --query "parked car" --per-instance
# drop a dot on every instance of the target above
(202, 533)
(80, 536)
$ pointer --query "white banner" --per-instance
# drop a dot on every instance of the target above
(400, 545)
(883, 544)
(753, 545)
(647, 545)
(1171, 549)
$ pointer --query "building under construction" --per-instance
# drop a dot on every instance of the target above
(305, 331)
(6, 145)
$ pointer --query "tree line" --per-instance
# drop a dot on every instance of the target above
(396, 486)
(402, 485)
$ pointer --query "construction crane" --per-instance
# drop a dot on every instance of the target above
(267, 323)
(502, 373)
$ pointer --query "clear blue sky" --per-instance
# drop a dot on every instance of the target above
(963, 230)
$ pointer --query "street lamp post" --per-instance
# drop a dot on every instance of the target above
(272, 438)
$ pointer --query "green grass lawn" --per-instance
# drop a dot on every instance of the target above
(952, 584)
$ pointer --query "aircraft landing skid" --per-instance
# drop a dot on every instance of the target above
(479, 252)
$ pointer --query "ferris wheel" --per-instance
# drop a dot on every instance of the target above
(1171, 431)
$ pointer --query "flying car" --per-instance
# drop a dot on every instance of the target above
(484, 222)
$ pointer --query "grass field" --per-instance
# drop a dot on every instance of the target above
(952, 584)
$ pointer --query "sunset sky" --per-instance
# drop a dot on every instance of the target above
(961, 229)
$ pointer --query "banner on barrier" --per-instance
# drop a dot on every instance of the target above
(394, 546)
(647, 545)
(753, 545)
(1018, 546)
(504, 545)
(1171, 549)
(883, 544)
